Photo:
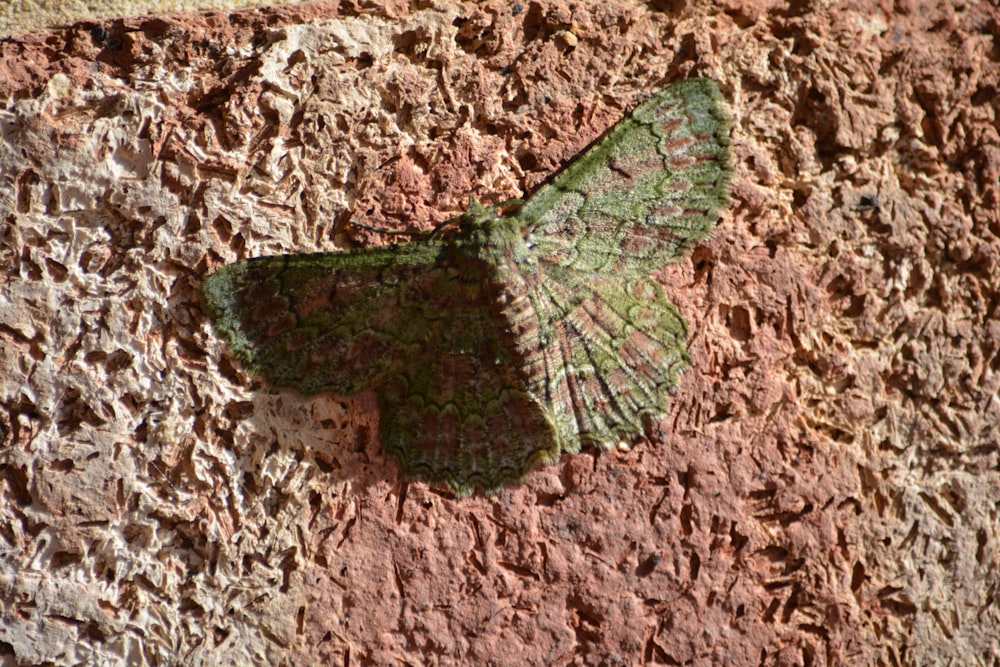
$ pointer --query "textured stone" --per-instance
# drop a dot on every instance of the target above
(822, 491)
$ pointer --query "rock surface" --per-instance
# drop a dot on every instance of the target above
(823, 493)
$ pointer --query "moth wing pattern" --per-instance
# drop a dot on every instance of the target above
(464, 420)
(404, 321)
(324, 322)
(613, 362)
(641, 195)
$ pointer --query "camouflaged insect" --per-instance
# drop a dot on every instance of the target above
(497, 343)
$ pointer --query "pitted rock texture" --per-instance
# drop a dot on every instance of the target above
(823, 491)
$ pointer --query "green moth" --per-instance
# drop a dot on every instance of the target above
(496, 343)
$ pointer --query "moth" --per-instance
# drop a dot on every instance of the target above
(498, 342)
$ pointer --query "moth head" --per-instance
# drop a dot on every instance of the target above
(476, 216)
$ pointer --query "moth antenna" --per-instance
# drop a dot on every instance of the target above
(388, 232)
(514, 203)
(441, 225)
